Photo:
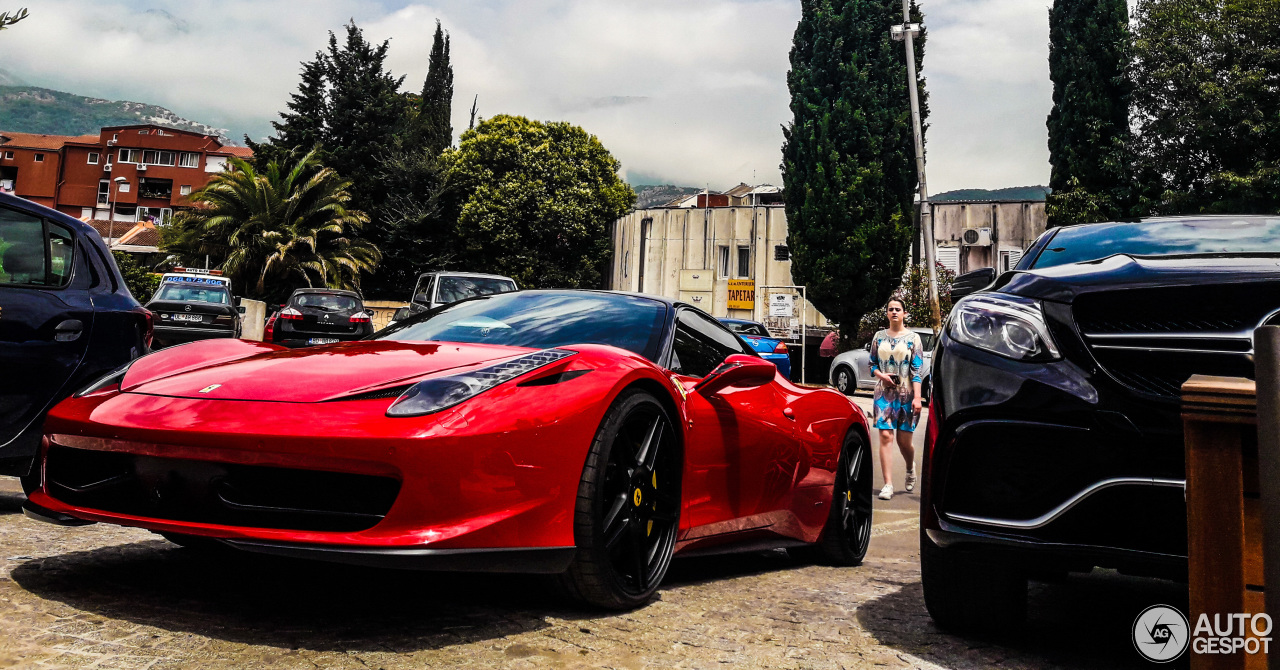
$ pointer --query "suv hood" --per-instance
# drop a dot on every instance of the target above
(1063, 283)
(319, 373)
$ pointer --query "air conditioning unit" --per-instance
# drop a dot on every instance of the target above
(977, 237)
(111, 143)
(142, 167)
(106, 168)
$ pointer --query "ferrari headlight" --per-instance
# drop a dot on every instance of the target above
(439, 393)
(1004, 325)
(105, 382)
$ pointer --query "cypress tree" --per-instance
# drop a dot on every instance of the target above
(436, 110)
(848, 156)
(1089, 136)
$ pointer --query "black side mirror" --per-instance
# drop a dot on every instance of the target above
(972, 282)
(866, 347)
(241, 309)
(401, 314)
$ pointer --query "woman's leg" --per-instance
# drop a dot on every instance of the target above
(908, 450)
(886, 455)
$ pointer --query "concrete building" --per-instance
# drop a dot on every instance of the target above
(999, 231)
(720, 257)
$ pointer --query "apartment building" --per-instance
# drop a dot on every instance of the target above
(125, 174)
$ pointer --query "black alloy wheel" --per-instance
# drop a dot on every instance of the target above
(847, 535)
(844, 380)
(628, 508)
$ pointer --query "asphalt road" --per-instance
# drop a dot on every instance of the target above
(108, 597)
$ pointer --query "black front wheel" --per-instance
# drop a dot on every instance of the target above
(628, 508)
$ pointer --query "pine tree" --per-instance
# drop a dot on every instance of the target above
(435, 113)
(1089, 138)
(848, 157)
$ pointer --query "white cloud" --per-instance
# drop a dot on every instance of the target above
(687, 92)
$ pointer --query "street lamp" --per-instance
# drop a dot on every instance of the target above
(906, 32)
(111, 212)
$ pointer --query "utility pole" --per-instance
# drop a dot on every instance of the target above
(906, 32)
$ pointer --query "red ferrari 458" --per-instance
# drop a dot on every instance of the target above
(588, 434)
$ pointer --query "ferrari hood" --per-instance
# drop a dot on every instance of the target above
(319, 373)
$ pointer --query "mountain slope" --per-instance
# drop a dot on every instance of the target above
(1011, 193)
(30, 109)
(656, 196)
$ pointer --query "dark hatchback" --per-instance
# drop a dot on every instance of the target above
(319, 316)
(66, 319)
(1054, 443)
(191, 307)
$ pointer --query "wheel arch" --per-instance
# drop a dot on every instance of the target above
(663, 393)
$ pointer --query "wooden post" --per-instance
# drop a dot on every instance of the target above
(1266, 345)
(1224, 516)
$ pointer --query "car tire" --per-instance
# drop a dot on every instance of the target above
(969, 592)
(847, 535)
(845, 381)
(628, 506)
(926, 391)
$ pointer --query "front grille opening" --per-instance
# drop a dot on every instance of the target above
(218, 493)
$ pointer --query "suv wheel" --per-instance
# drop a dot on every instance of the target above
(966, 591)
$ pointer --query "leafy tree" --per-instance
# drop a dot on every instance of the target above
(142, 283)
(436, 110)
(9, 18)
(286, 227)
(1089, 134)
(1207, 105)
(848, 157)
(914, 294)
(533, 201)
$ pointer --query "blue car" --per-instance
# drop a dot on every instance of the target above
(66, 319)
(770, 349)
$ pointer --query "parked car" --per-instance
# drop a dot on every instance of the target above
(770, 348)
(1054, 441)
(319, 316)
(192, 305)
(66, 318)
(851, 370)
(436, 289)
(582, 433)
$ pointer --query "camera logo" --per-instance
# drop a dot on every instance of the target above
(1160, 633)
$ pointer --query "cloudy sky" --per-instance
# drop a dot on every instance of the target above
(691, 92)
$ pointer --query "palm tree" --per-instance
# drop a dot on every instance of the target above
(283, 228)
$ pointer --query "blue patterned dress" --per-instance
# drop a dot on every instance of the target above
(899, 356)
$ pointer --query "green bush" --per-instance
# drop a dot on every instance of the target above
(142, 283)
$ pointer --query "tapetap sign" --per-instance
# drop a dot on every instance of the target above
(742, 294)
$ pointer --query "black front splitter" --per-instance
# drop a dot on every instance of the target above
(541, 560)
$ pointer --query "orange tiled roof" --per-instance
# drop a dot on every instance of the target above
(141, 235)
(35, 141)
(238, 152)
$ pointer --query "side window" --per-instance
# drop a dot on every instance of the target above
(29, 256)
(700, 345)
(422, 294)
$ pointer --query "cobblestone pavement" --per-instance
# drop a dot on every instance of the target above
(108, 597)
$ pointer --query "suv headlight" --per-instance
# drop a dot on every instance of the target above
(440, 393)
(111, 379)
(1004, 325)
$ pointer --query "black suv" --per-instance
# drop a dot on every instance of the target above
(66, 319)
(1054, 442)
(319, 316)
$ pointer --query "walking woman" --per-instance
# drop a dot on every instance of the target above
(896, 359)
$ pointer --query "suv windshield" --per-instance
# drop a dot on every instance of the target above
(1161, 237)
(186, 293)
(542, 321)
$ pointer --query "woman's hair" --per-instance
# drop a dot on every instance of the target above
(901, 304)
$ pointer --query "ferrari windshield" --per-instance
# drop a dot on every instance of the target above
(1162, 237)
(542, 320)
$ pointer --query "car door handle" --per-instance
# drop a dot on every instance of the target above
(68, 331)
(789, 413)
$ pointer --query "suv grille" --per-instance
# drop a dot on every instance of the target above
(1153, 339)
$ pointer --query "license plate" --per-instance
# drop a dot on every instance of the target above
(322, 340)
(195, 318)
